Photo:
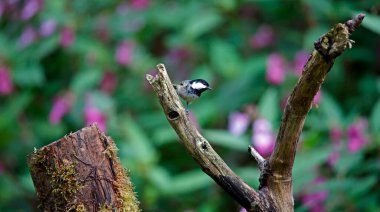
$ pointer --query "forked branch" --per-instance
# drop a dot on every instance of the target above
(275, 191)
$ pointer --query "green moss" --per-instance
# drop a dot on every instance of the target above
(59, 181)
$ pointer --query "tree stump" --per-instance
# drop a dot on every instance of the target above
(81, 172)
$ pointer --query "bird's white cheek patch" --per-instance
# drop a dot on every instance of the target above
(198, 85)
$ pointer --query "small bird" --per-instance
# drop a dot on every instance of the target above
(190, 90)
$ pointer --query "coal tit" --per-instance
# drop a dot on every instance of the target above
(190, 90)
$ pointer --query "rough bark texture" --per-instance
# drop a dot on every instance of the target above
(81, 172)
(275, 191)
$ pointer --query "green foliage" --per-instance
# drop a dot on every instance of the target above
(85, 67)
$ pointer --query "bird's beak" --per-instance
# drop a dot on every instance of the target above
(209, 88)
(175, 86)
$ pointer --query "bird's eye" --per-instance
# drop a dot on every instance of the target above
(181, 84)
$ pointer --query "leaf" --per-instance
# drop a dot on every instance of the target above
(269, 106)
(85, 80)
(225, 139)
(347, 161)
(331, 110)
(180, 184)
(164, 135)
(371, 22)
(202, 23)
(26, 74)
(304, 163)
(188, 182)
(141, 145)
(375, 118)
(11, 110)
(225, 59)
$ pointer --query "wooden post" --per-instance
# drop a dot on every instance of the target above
(81, 172)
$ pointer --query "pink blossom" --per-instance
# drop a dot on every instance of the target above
(336, 135)
(31, 7)
(124, 53)
(264, 37)
(238, 123)
(275, 69)
(356, 135)
(140, 4)
(61, 106)
(6, 84)
(299, 61)
(317, 98)
(263, 138)
(314, 200)
(243, 210)
(28, 36)
(67, 37)
(333, 157)
(109, 82)
(93, 115)
(48, 27)
(2, 8)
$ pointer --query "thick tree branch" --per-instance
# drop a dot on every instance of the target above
(327, 48)
(199, 147)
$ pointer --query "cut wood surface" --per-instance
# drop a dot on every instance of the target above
(82, 172)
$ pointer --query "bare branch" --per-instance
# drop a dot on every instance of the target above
(199, 147)
(259, 159)
(327, 48)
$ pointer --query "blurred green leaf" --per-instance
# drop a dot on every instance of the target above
(11, 110)
(269, 107)
(375, 118)
(331, 111)
(225, 139)
(371, 22)
(204, 22)
(85, 80)
(305, 166)
(28, 74)
(347, 161)
(180, 183)
(225, 59)
(142, 148)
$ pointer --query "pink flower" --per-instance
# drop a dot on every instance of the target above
(317, 99)
(264, 37)
(275, 69)
(124, 53)
(299, 62)
(238, 123)
(243, 210)
(61, 106)
(6, 84)
(47, 27)
(109, 82)
(31, 7)
(356, 135)
(93, 115)
(28, 36)
(67, 37)
(263, 138)
(315, 200)
(2, 8)
(140, 4)
(333, 158)
(336, 135)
